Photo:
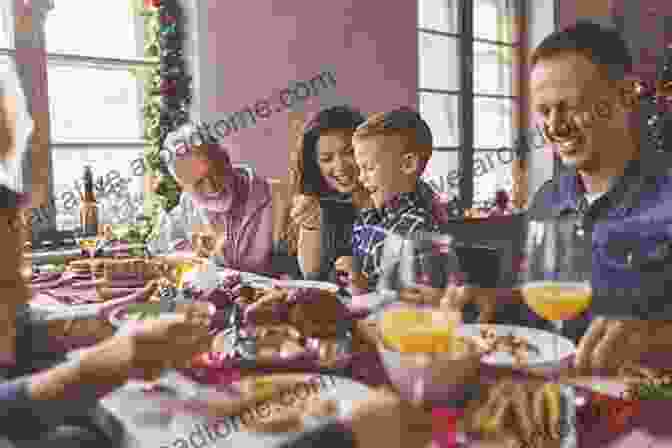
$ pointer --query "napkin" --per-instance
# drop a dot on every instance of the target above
(65, 279)
(45, 277)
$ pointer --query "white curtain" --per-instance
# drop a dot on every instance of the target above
(18, 81)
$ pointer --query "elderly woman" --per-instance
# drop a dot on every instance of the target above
(231, 205)
(326, 192)
(46, 400)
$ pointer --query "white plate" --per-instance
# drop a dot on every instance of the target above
(543, 340)
(306, 284)
(255, 280)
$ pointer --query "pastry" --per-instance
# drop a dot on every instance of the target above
(316, 313)
(132, 269)
(80, 266)
(98, 268)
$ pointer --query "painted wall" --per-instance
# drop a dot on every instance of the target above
(252, 52)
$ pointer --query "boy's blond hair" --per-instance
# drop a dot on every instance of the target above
(404, 122)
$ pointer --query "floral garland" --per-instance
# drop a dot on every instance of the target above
(167, 95)
(167, 90)
(166, 104)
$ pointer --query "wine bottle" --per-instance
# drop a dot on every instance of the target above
(88, 208)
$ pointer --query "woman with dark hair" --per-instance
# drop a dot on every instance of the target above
(325, 191)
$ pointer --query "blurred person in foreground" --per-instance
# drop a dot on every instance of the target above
(45, 399)
(48, 400)
(583, 96)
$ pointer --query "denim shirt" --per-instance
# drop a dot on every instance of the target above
(629, 230)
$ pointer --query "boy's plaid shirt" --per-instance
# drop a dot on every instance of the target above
(404, 215)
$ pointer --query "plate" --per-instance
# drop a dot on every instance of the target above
(296, 284)
(307, 359)
(128, 402)
(119, 316)
(543, 340)
(254, 280)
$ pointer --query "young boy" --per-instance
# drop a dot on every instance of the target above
(391, 151)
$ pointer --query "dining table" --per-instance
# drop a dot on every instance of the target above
(648, 427)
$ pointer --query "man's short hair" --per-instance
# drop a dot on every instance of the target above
(405, 122)
(604, 46)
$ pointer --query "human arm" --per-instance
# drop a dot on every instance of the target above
(49, 397)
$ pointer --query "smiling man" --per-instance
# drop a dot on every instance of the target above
(619, 191)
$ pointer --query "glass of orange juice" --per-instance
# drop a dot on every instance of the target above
(418, 330)
(556, 277)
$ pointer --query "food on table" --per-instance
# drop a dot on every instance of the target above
(80, 266)
(410, 330)
(285, 407)
(322, 408)
(557, 300)
(490, 342)
(316, 312)
(98, 268)
(271, 342)
(270, 308)
(133, 268)
(328, 351)
(525, 414)
(645, 383)
(142, 311)
(288, 420)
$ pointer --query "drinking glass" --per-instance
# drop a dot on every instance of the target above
(420, 265)
(556, 276)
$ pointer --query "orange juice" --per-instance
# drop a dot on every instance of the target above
(410, 330)
(557, 300)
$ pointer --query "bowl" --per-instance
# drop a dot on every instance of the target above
(447, 378)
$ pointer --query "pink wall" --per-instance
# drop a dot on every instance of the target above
(260, 46)
(643, 25)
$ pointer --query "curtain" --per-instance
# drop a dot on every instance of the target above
(12, 167)
(31, 73)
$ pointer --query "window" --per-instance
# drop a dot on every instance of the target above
(95, 85)
(472, 113)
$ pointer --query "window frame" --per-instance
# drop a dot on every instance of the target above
(466, 94)
(79, 60)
